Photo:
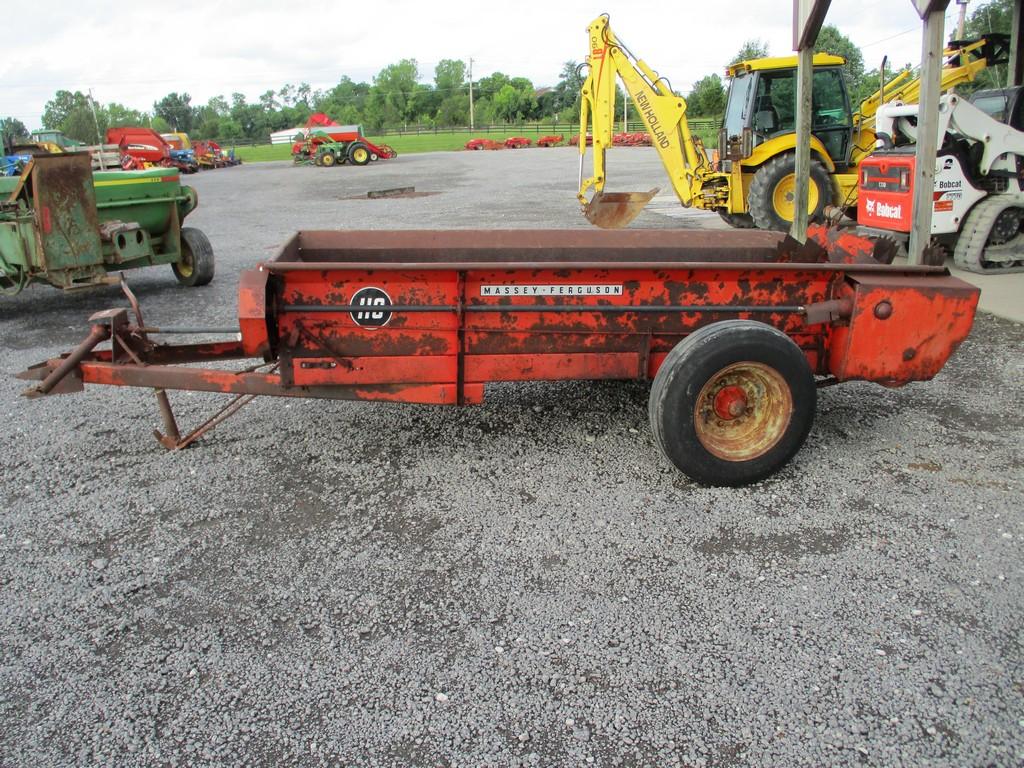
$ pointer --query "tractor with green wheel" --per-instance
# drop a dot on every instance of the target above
(62, 224)
(339, 152)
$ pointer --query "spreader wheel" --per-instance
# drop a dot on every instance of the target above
(732, 403)
(359, 154)
(196, 265)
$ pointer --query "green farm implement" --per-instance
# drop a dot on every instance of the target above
(62, 224)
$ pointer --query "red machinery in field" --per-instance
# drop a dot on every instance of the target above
(639, 139)
(142, 148)
(141, 143)
(517, 142)
(736, 329)
(476, 144)
(321, 129)
(550, 141)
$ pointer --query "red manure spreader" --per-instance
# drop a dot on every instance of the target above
(736, 330)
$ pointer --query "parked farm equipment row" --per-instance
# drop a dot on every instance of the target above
(62, 224)
(513, 142)
(737, 329)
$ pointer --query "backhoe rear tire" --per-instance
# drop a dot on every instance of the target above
(737, 220)
(196, 265)
(773, 192)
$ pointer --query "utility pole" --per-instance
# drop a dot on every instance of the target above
(99, 139)
(962, 20)
(471, 127)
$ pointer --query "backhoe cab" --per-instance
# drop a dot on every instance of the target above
(757, 141)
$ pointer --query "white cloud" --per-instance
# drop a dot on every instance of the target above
(135, 53)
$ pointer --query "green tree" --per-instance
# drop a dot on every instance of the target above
(392, 99)
(831, 40)
(450, 93)
(345, 102)
(751, 49)
(515, 101)
(565, 97)
(218, 105)
(707, 99)
(57, 110)
(490, 85)
(450, 76)
(176, 110)
(12, 130)
(120, 115)
(993, 16)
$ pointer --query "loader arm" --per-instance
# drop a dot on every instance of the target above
(965, 60)
(664, 116)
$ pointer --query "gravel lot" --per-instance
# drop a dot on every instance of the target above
(525, 582)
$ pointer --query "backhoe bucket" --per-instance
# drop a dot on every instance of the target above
(615, 210)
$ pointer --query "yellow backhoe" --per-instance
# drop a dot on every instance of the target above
(753, 184)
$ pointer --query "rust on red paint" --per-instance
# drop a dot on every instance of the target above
(431, 317)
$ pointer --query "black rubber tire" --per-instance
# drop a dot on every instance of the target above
(358, 153)
(693, 363)
(766, 179)
(196, 266)
(328, 159)
(737, 220)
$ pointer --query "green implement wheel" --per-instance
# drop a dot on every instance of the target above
(358, 154)
(772, 197)
(196, 265)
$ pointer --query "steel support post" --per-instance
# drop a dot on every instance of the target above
(927, 133)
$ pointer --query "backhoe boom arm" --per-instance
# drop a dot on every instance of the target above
(663, 114)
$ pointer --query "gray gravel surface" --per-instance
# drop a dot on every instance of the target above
(526, 582)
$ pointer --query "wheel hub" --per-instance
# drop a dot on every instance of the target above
(743, 411)
(730, 402)
(1006, 226)
(784, 197)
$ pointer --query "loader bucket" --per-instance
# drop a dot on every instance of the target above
(615, 210)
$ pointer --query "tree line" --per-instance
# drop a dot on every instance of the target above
(397, 98)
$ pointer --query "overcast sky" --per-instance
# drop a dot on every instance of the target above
(136, 52)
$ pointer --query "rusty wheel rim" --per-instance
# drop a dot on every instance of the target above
(743, 411)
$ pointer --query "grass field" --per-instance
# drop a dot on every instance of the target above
(426, 142)
(404, 145)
